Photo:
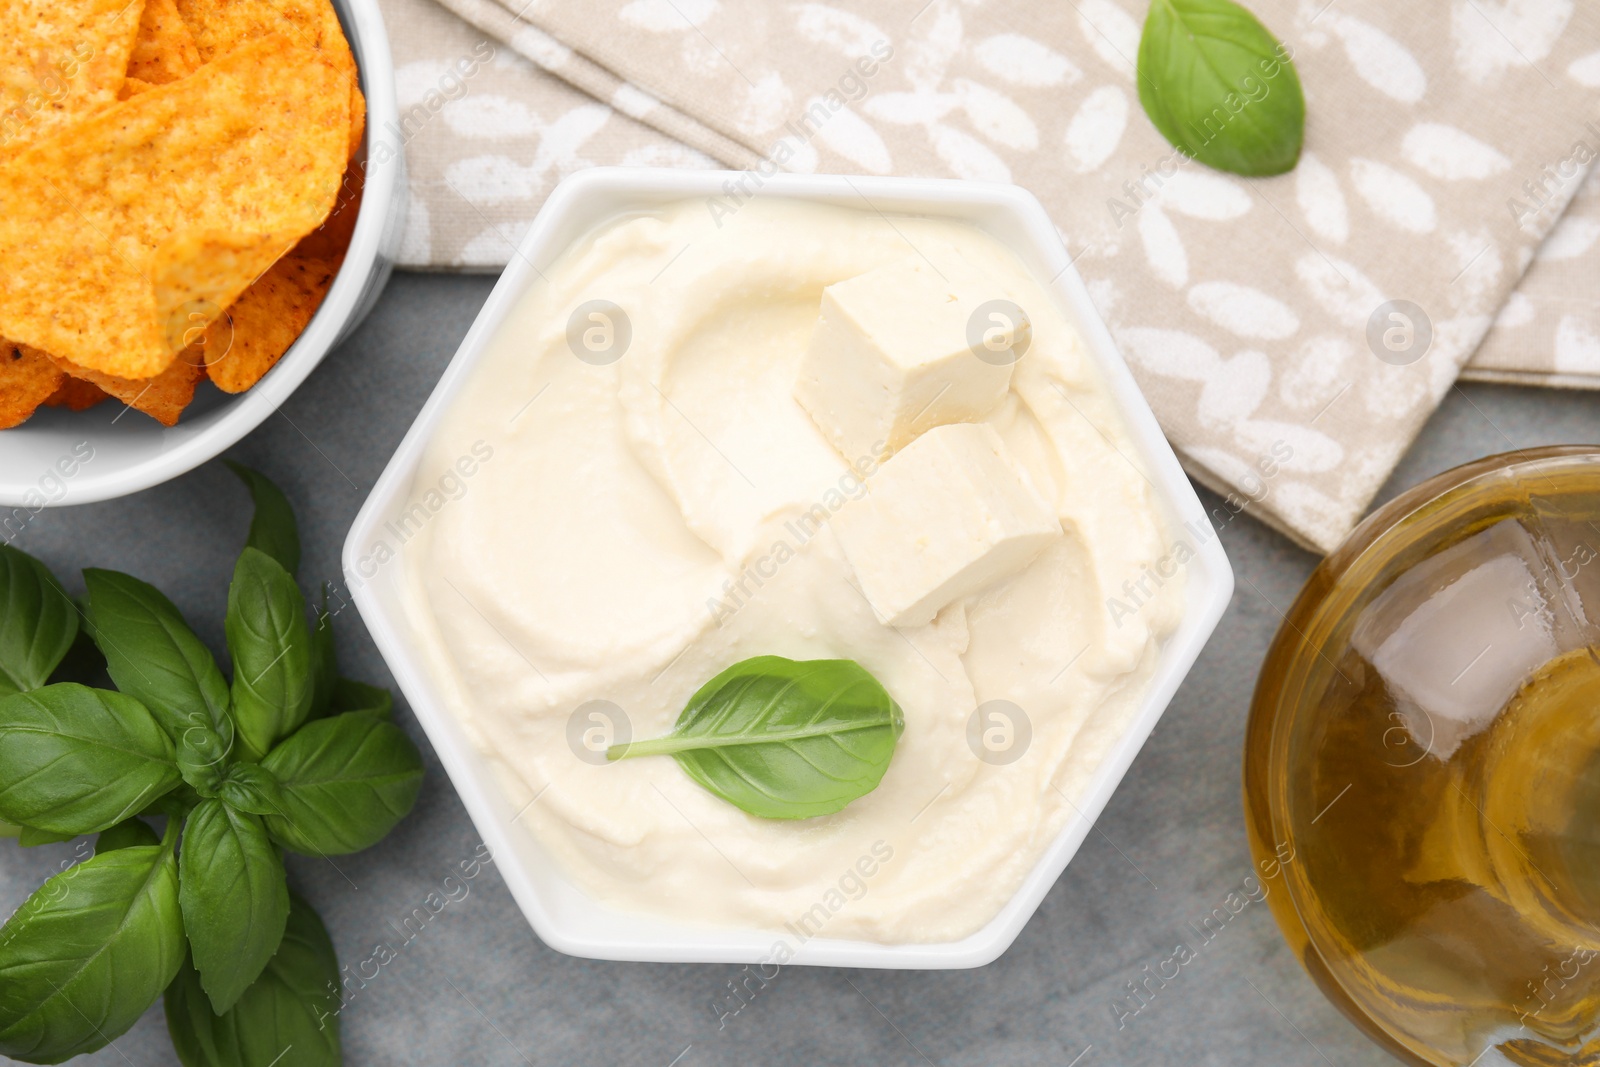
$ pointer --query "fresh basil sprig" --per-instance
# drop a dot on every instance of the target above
(784, 739)
(203, 912)
(38, 623)
(74, 760)
(272, 527)
(271, 647)
(1220, 87)
(235, 898)
(153, 655)
(287, 1013)
(345, 782)
(84, 957)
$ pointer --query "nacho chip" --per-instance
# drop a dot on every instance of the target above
(260, 327)
(358, 117)
(60, 60)
(163, 397)
(132, 87)
(76, 394)
(27, 379)
(164, 50)
(222, 26)
(332, 239)
(244, 155)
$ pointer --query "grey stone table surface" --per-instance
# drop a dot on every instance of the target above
(474, 986)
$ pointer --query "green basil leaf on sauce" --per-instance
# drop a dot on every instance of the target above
(272, 527)
(153, 655)
(289, 1016)
(271, 647)
(75, 760)
(345, 782)
(235, 898)
(83, 958)
(784, 739)
(1220, 87)
(37, 622)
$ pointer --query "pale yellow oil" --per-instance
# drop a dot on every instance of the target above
(1458, 899)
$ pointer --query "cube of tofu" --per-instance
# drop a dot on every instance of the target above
(891, 358)
(948, 516)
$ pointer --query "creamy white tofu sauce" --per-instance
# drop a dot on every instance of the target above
(644, 520)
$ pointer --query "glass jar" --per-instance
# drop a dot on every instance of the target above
(1422, 764)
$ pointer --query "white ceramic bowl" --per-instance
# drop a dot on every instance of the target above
(563, 916)
(131, 450)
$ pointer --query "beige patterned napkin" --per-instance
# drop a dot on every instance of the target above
(1248, 309)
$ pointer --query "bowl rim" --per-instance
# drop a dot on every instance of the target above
(686, 942)
(367, 262)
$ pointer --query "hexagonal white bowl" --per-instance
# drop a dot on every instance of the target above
(133, 452)
(561, 913)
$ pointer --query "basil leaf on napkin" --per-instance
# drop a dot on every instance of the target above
(288, 1013)
(235, 898)
(1220, 87)
(153, 655)
(75, 760)
(37, 622)
(272, 527)
(271, 648)
(346, 781)
(784, 739)
(83, 958)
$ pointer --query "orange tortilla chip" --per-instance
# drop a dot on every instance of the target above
(332, 239)
(244, 155)
(221, 26)
(164, 50)
(358, 116)
(132, 87)
(27, 379)
(163, 397)
(60, 60)
(76, 394)
(257, 330)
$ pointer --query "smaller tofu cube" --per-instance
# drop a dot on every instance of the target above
(891, 357)
(948, 516)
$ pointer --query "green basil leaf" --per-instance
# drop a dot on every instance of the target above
(289, 1016)
(37, 622)
(272, 527)
(74, 760)
(10, 830)
(346, 782)
(784, 739)
(153, 655)
(84, 957)
(235, 898)
(131, 833)
(271, 648)
(350, 695)
(324, 660)
(32, 837)
(1220, 87)
(251, 787)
